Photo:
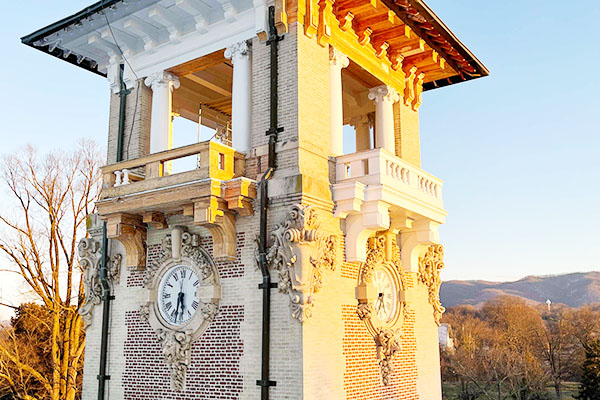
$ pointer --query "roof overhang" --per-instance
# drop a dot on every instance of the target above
(423, 21)
(147, 35)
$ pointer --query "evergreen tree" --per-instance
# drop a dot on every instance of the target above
(590, 379)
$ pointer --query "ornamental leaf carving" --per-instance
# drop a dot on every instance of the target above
(429, 274)
(388, 343)
(301, 252)
(176, 349)
(90, 258)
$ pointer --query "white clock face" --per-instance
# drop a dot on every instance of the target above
(177, 296)
(387, 295)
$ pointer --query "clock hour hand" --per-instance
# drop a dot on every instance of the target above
(179, 302)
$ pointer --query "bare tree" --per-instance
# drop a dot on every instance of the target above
(52, 196)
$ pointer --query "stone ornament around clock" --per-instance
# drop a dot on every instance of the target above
(184, 294)
(380, 295)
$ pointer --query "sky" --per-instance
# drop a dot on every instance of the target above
(518, 150)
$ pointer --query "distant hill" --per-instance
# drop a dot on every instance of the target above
(574, 290)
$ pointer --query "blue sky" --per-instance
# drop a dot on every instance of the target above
(518, 150)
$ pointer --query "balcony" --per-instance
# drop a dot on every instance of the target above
(376, 190)
(141, 191)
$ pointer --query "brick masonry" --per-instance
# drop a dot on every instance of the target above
(331, 355)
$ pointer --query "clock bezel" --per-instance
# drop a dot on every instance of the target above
(374, 322)
(160, 289)
(198, 323)
(396, 284)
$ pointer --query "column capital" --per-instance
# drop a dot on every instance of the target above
(237, 51)
(360, 119)
(383, 93)
(337, 58)
(162, 79)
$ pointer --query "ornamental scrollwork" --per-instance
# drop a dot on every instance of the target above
(176, 344)
(429, 275)
(90, 259)
(301, 252)
(388, 343)
(386, 334)
(176, 349)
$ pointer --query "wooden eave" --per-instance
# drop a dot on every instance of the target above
(386, 36)
(427, 25)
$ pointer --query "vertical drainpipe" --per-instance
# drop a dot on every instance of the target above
(106, 298)
(122, 103)
(266, 284)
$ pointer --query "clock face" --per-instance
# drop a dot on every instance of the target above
(387, 295)
(177, 296)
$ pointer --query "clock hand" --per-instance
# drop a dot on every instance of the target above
(182, 305)
(177, 307)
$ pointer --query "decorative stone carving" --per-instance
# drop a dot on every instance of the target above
(90, 258)
(162, 79)
(144, 312)
(176, 340)
(388, 343)
(337, 58)
(429, 274)
(176, 349)
(300, 251)
(382, 254)
(236, 50)
(383, 93)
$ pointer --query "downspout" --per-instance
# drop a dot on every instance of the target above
(106, 298)
(266, 284)
(122, 102)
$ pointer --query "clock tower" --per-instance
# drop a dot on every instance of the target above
(265, 228)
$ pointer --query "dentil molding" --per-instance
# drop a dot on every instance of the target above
(301, 252)
(429, 275)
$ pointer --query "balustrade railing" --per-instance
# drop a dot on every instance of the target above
(215, 160)
(378, 166)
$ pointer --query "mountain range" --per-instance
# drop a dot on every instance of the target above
(573, 290)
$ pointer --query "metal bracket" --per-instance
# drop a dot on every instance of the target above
(272, 285)
(265, 383)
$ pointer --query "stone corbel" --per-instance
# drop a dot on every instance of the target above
(301, 252)
(359, 227)
(131, 232)
(210, 214)
(239, 194)
(415, 238)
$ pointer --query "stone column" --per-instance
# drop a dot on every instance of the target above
(384, 97)
(239, 54)
(337, 61)
(363, 133)
(162, 84)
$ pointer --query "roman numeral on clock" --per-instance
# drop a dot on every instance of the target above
(195, 305)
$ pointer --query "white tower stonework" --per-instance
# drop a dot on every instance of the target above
(351, 239)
